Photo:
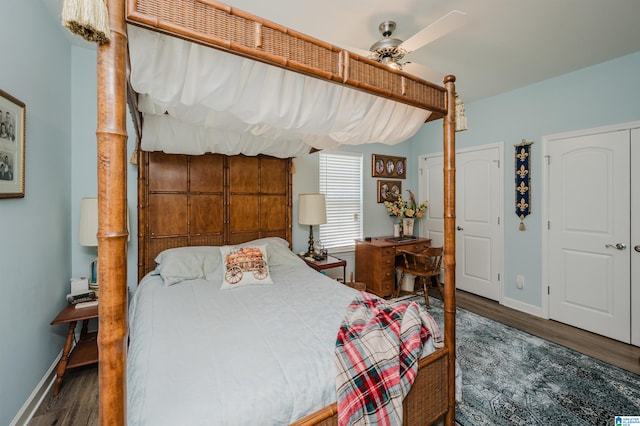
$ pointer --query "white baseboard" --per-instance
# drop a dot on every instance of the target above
(32, 403)
(523, 307)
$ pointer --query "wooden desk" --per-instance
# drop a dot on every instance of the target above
(375, 262)
(85, 351)
(328, 263)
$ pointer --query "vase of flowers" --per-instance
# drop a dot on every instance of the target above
(407, 211)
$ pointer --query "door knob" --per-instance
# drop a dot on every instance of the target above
(619, 246)
(637, 248)
(459, 228)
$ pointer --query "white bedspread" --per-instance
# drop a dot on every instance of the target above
(255, 355)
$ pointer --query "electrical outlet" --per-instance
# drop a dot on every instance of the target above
(520, 281)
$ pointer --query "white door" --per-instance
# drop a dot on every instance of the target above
(479, 206)
(431, 189)
(635, 237)
(479, 242)
(589, 222)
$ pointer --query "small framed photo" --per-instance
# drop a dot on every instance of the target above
(93, 274)
(388, 166)
(389, 190)
(12, 139)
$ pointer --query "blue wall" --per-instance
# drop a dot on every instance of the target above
(35, 262)
(604, 94)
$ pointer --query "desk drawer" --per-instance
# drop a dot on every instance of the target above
(388, 275)
(386, 286)
(388, 251)
(388, 270)
(388, 261)
(413, 247)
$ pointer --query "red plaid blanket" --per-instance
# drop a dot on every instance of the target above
(377, 352)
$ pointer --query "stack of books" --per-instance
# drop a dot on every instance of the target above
(81, 297)
(81, 291)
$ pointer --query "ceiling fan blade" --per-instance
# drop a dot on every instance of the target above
(362, 52)
(449, 22)
(423, 72)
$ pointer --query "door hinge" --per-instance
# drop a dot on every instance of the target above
(548, 157)
(548, 289)
(548, 224)
(498, 220)
(498, 276)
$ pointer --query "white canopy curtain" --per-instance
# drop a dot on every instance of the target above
(195, 99)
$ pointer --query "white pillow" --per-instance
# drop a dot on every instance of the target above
(187, 263)
(280, 256)
(244, 264)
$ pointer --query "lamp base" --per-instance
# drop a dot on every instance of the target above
(310, 249)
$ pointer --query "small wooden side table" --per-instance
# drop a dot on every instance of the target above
(85, 351)
(328, 262)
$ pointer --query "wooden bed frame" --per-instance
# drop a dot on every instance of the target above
(433, 394)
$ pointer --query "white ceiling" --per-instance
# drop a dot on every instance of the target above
(504, 45)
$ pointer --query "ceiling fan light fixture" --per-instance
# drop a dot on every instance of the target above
(388, 61)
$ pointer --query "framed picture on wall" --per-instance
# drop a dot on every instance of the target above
(388, 166)
(389, 190)
(12, 138)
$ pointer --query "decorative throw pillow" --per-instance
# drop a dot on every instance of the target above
(244, 265)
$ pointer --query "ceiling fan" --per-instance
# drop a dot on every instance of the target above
(390, 51)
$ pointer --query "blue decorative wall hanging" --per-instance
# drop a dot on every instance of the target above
(523, 181)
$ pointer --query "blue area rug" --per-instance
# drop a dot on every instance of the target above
(511, 377)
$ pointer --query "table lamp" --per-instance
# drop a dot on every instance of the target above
(88, 234)
(311, 211)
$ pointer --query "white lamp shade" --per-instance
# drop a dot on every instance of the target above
(89, 222)
(312, 209)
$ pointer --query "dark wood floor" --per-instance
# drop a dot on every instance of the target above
(608, 350)
(77, 403)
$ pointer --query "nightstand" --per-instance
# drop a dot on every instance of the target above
(328, 262)
(85, 352)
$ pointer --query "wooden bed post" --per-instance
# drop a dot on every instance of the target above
(449, 146)
(112, 226)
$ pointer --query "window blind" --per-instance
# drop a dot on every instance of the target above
(341, 182)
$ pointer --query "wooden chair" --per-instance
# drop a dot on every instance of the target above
(425, 264)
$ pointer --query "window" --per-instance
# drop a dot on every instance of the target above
(341, 182)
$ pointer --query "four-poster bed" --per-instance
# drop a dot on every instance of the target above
(214, 179)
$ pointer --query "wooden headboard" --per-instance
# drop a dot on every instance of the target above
(210, 199)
